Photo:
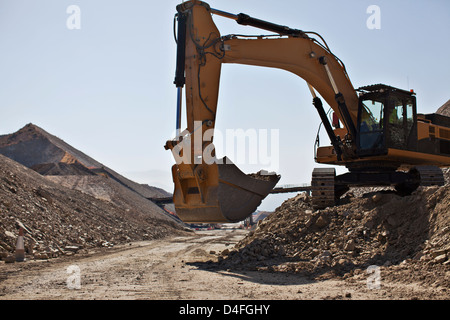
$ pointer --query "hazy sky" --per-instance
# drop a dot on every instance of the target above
(107, 88)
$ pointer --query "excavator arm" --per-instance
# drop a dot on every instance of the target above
(215, 190)
(303, 57)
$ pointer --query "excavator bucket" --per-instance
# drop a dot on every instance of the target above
(222, 194)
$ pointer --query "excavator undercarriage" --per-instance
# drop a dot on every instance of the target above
(327, 188)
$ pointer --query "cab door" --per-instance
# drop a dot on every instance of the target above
(371, 125)
(401, 123)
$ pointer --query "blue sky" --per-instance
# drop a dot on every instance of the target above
(107, 88)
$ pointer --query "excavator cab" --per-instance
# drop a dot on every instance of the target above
(386, 119)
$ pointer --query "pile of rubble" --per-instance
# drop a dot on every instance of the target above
(50, 156)
(379, 228)
(61, 221)
(445, 109)
(66, 201)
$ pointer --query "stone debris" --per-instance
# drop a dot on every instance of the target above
(61, 221)
(378, 228)
(67, 202)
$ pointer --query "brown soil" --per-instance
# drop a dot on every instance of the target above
(56, 218)
(189, 268)
(407, 237)
(127, 247)
(49, 155)
(445, 109)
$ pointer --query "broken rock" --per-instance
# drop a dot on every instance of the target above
(440, 259)
(321, 222)
(71, 248)
(350, 245)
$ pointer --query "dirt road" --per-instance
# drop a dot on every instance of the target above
(176, 269)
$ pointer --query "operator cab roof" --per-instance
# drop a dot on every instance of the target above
(382, 88)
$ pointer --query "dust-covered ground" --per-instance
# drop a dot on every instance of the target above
(191, 268)
(404, 241)
(85, 246)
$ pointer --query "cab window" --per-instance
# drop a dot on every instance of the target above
(371, 125)
(396, 125)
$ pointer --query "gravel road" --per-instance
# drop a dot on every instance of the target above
(179, 268)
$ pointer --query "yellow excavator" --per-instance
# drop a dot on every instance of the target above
(375, 131)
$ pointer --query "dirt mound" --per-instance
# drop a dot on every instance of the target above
(32, 145)
(62, 169)
(407, 235)
(68, 201)
(445, 109)
(35, 148)
(107, 190)
(59, 220)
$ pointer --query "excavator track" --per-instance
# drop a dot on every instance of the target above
(430, 176)
(323, 188)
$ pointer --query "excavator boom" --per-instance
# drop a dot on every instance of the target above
(215, 190)
(212, 190)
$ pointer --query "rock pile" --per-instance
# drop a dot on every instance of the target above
(48, 155)
(445, 109)
(69, 201)
(60, 221)
(380, 228)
